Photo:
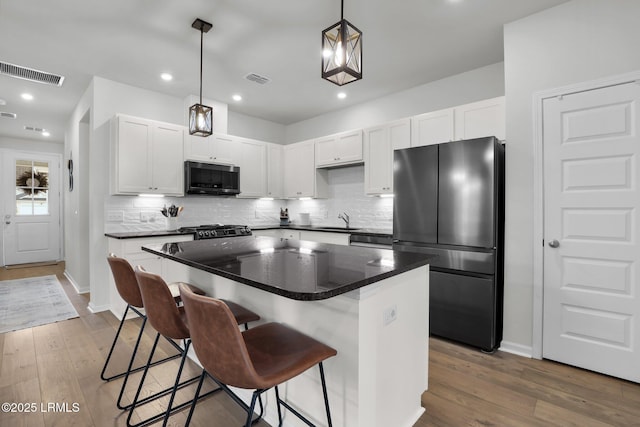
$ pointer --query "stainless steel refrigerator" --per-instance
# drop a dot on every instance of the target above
(449, 201)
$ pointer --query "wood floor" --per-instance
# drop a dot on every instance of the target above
(61, 362)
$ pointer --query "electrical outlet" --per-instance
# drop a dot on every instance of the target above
(389, 315)
(114, 216)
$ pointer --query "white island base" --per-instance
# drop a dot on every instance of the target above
(380, 332)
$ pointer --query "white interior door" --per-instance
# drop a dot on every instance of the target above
(591, 313)
(31, 221)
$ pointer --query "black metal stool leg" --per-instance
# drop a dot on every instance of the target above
(132, 407)
(187, 343)
(113, 346)
(251, 408)
(128, 372)
(195, 398)
(324, 393)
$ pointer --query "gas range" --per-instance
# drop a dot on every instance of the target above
(216, 231)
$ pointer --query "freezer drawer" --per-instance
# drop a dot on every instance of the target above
(464, 309)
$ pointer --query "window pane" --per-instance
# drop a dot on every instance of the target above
(32, 187)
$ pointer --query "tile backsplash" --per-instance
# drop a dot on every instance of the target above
(346, 194)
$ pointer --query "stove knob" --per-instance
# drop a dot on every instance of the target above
(247, 230)
(200, 234)
(206, 233)
(213, 233)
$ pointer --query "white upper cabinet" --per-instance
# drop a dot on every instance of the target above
(147, 157)
(339, 149)
(479, 119)
(217, 148)
(275, 171)
(300, 176)
(379, 144)
(432, 128)
(253, 168)
(474, 120)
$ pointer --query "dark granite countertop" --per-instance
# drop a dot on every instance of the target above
(142, 234)
(299, 270)
(160, 233)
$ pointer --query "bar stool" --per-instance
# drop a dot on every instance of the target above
(261, 358)
(127, 286)
(170, 321)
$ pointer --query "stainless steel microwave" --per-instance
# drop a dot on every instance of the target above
(211, 179)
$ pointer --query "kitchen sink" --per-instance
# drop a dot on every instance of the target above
(339, 228)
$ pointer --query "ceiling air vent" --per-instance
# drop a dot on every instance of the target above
(30, 74)
(33, 128)
(257, 78)
(8, 115)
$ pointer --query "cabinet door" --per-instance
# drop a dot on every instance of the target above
(380, 141)
(253, 172)
(198, 148)
(275, 171)
(377, 161)
(299, 176)
(432, 128)
(133, 148)
(325, 151)
(348, 147)
(167, 155)
(480, 119)
(339, 149)
(225, 150)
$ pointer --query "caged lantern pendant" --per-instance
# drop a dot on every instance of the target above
(201, 116)
(342, 52)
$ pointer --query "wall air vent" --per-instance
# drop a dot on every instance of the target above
(30, 74)
(8, 115)
(257, 78)
(33, 128)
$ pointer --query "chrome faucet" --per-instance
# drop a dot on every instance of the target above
(343, 216)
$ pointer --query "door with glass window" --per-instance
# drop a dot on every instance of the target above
(31, 222)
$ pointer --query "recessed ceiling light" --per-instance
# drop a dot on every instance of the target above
(45, 133)
(166, 77)
(27, 96)
(342, 95)
(237, 98)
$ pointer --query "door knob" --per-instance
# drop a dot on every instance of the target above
(7, 219)
(554, 244)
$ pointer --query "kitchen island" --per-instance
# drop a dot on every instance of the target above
(371, 305)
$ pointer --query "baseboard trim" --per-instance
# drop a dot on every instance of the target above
(97, 308)
(517, 349)
(78, 288)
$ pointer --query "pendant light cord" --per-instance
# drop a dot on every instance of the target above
(341, 10)
(201, 43)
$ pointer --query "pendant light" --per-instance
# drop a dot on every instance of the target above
(342, 52)
(200, 116)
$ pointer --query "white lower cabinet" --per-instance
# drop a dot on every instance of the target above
(131, 250)
(325, 237)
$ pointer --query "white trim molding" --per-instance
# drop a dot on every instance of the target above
(517, 349)
(79, 289)
(538, 194)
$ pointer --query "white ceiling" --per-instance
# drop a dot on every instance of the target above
(406, 43)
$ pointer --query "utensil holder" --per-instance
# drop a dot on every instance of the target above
(172, 223)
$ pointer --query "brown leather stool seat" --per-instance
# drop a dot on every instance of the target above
(127, 286)
(260, 358)
(170, 321)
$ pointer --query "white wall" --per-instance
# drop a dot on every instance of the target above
(475, 85)
(255, 128)
(76, 203)
(577, 41)
(21, 145)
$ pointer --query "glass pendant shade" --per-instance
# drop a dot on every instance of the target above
(342, 53)
(200, 120)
